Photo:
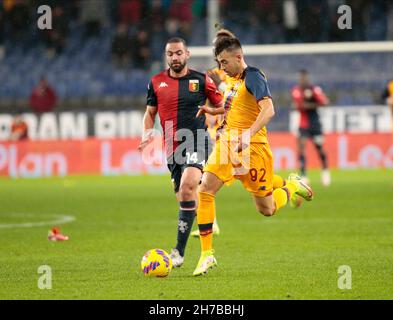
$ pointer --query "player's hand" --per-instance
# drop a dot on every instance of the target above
(204, 109)
(201, 111)
(243, 142)
(218, 133)
(215, 77)
(146, 139)
(210, 110)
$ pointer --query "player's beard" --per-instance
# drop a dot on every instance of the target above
(177, 67)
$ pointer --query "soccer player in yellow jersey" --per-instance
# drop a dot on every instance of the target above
(213, 122)
(242, 151)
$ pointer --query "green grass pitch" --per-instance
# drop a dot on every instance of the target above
(294, 255)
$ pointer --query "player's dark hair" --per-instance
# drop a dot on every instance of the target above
(177, 40)
(226, 43)
(303, 71)
(224, 33)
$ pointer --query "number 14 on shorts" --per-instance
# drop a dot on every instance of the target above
(192, 158)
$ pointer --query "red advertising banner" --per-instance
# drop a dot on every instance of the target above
(121, 157)
(344, 151)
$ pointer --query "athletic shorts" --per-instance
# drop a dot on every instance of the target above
(313, 133)
(253, 167)
(192, 157)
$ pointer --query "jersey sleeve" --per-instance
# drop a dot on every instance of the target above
(320, 96)
(212, 93)
(151, 99)
(257, 85)
(297, 98)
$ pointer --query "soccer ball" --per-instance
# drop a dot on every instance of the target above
(156, 263)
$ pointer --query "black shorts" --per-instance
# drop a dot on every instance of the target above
(196, 157)
(315, 134)
(310, 132)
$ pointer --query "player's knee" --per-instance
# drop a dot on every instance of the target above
(267, 212)
(203, 187)
(186, 191)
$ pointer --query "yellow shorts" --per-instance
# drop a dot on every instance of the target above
(253, 166)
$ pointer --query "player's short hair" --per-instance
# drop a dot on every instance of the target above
(227, 43)
(224, 33)
(177, 40)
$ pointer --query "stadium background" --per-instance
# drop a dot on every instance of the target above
(100, 55)
(93, 130)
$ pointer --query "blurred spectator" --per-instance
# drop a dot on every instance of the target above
(43, 98)
(94, 15)
(359, 11)
(131, 11)
(272, 31)
(390, 22)
(335, 34)
(314, 20)
(290, 21)
(157, 13)
(82, 70)
(2, 25)
(19, 129)
(18, 13)
(236, 12)
(141, 50)
(377, 20)
(181, 11)
(55, 38)
(199, 8)
(158, 38)
(121, 46)
(172, 27)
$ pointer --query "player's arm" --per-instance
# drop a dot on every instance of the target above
(149, 117)
(215, 110)
(320, 97)
(215, 98)
(256, 84)
(220, 84)
(296, 99)
(148, 124)
(264, 117)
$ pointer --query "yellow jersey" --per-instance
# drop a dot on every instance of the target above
(241, 98)
(221, 73)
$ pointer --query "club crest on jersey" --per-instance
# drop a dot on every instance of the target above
(193, 85)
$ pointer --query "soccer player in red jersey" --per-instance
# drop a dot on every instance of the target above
(175, 95)
(388, 96)
(307, 98)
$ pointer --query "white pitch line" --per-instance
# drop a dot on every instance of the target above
(60, 220)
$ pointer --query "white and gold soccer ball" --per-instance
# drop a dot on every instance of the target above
(156, 263)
